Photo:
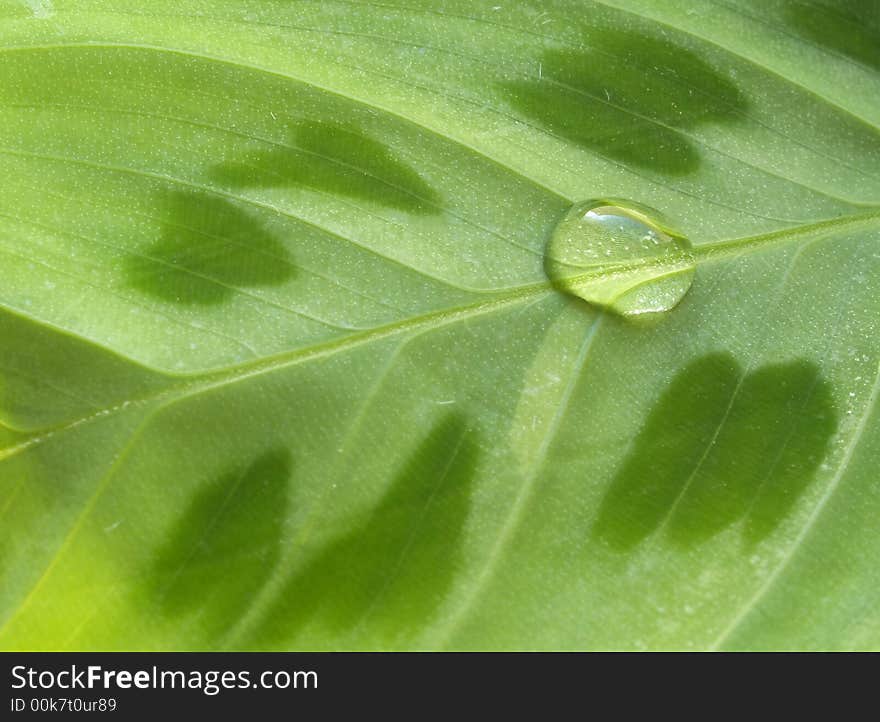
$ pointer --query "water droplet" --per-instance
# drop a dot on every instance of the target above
(621, 256)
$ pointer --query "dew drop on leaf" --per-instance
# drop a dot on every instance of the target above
(621, 256)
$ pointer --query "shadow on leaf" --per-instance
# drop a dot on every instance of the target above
(720, 447)
(393, 568)
(628, 97)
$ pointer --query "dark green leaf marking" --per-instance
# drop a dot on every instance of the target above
(209, 247)
(225, 546)
(336, 159)
(851, 29)
(396, 563)
(607, 99)
(721, 446)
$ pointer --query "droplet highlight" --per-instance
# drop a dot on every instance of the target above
(621, 256)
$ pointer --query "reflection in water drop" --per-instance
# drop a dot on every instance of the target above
(618, 256)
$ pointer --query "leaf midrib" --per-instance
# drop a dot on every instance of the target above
(193, 384)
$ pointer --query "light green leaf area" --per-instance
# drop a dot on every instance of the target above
(280, 366)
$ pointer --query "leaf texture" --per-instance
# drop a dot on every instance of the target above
(280, 367)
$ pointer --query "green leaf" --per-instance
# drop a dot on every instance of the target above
(281, 367)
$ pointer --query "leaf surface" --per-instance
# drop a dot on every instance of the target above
(280, 366)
